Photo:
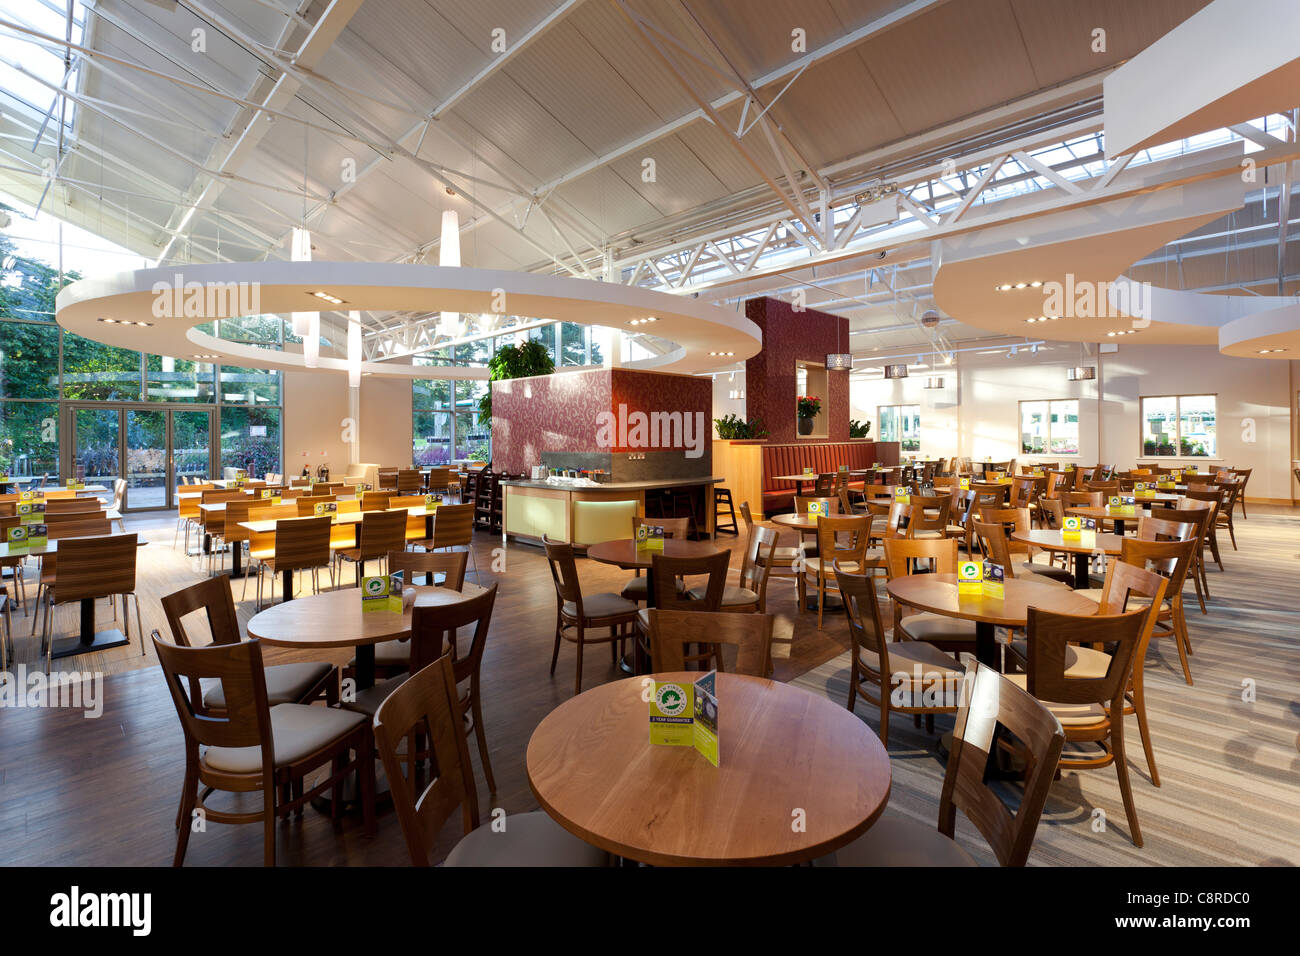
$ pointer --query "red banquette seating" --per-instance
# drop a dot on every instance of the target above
(821, 458)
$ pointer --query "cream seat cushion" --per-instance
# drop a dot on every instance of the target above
(1080, 662)
(367, 701)
(296, 731)
(732, 596)
(904, 654)
(874, 558)
(285, 684)
(936, 627)
(605, 604)
(529, 839)
(637, 589)
(899, 841)
(1070, 715)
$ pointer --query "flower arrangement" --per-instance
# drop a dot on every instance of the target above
(809, 406)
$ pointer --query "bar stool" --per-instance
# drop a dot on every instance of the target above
(722, 496)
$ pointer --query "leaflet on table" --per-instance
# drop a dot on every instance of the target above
(818, 508)
(686, 715)
(970, 577)
(1122, 506)
(382, 593)
(75, 485)
(902, 495)
(650, 537)
(31, 512)
(431, 502)
(808, 471)
(1143, 490)
(963, 484)
(325, 508)
(993, 585)
(23, 537)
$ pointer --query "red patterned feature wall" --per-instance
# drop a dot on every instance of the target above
(789, 337)
(597, 410)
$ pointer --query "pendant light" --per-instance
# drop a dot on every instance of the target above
(300, 251)
(354, 349)
(449, 255)
(839, 360)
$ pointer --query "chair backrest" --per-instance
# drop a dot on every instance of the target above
(746, 516)
(302, 543)
(450, 564)
(667, 569)
(95, 567)
(564, 572)
(1049, 635)
(380, 533)
(430, 625)
(307, 503)
(119, 494)
(1012, 520)
(427, 703)
(760, 558)
(843, 538)
(1168, 558)
(246, 719)
(1051, 513)
(1084, 499)
(993, 542)
(408, 480)
(81, 528)
(212, 596)
(375, 500)
(988, 700)
(901, 552)
(439, 477)
(236, 513)
(65, 517)
(862, 608)
(1057, 481)
(673, 527)
(453, 525)
(671, 632)
(71, 505)
(55, 494)
(222, 494)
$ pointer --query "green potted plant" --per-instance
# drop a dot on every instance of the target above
(514, 361)
(732, 428)
(859, 429)
(808, 406)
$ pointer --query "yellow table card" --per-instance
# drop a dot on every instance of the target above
(1165, 484)
(325, 508)
(902, 495)
(1121, 506)
(650, 537)
(25, 495)
(431, 502)
(75, 485)
(970, 577)
(808, 471)
(31, 512)
(381, 593)
(686, 715)
(1143, 490)
(1071, 527)
(359, 490)
(963, 484)
(993, 585)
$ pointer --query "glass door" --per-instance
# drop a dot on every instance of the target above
(96, 456)
(147, 482)
(151, 447)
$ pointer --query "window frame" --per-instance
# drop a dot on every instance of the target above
(1049, 402)
(880, 419)
(1178, 421)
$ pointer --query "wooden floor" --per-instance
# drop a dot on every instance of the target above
(76, 791)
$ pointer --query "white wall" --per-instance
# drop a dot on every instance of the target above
(978, 413)
(723, 404)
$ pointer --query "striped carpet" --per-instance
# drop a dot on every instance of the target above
(1229, 769)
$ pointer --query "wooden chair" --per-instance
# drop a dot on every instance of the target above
(945, 633)
(676, 528)
(893, 676)
(86, 525)
(232, 531)
(453, 527)
(427, 704)
(840, 538)
(1090, 709)
(441, 481)
(1196, 513)
(667, 572)
(394, 657)
(750, 595)
(579, 613)
(375, 500)
(673, 634)
(306, 504)
(433, 634)
(409, 481)
(89, 569)
(1125, 581)
(297, 683)
(252, 746)
(1195, 498)
(388, 479)
(988, 701)
(378, 533)
(783, 559)
(1243, 474)
(301, 544)
(72, 505)
(1009, 551)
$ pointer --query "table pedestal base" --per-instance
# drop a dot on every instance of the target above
(99, 641)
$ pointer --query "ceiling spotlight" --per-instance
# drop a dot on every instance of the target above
(648, 318)
(1005, 287)
(722, 354)
(332, 299)
(1035, 284)
(109, 321)
(1269, 351)
(1031, 320)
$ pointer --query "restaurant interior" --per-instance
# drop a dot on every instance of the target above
(638, 434)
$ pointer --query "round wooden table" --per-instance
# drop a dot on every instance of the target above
(937, 594)
(787, 756)
(1109, 544)
(800, 522)
(335, 619)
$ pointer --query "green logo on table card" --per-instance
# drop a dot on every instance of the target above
(266, 493)
(382, 593)
(1070, 527)
(649, 537)
(686, 715)
(817, 508)
(325, 508)
(970, 577)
